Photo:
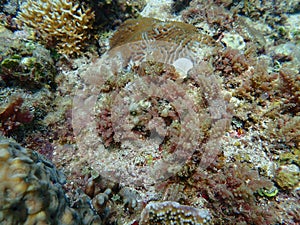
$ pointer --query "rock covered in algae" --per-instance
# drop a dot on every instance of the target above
(31, 191)
(288, 177)
(24, 63)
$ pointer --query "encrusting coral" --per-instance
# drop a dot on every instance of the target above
(59, 23)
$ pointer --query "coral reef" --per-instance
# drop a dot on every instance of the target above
(192, 115)
(205, 13)
(22, 114)
(265, 11)
(112, 203)
(62, 23)
(133, 30)
(9, 7)
(156, 34)
(288, 177)
(131, 198)
(161, 10)
(31, 190)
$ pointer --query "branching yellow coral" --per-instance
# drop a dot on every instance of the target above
(60, 22)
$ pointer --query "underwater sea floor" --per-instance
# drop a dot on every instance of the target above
(150, 112)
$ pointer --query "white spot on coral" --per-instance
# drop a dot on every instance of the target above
(234, 41)
(183, 65)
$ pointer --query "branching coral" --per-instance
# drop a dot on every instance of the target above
(60, 23)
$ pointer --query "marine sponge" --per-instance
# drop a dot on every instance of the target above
(59, 23)
(31, 191)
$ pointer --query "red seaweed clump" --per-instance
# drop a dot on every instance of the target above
(231, 193)
(13, 115)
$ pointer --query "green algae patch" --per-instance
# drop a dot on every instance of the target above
(288, 177)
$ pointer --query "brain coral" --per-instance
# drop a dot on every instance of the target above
(59, 23)
(185, 36)
(137, 29)
(31, 191)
